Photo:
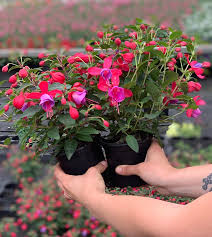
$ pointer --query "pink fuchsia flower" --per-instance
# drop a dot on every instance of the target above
(194, 113)
(78, 97)
(44, 90)
(117, 94)
(194, 86)
(47, 102)
(106, 73)
(80, 57)
(5, 68)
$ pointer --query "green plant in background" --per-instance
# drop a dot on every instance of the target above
(184, 130)
(185, 156)
(199, 23)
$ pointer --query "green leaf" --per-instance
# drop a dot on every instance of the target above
(84, 137)
(56, 86)
(132, 143)
(153, 115)
(54, 133)
(175, 35)
(7, 141)
(153, 90)
(88, 130)
(170, 77)
(66, 120)
(31, 111)
(70, 147)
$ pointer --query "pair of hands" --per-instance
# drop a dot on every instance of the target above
(155, 170)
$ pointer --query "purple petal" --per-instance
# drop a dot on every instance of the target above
(106, 74)
(47, 102)
(79, 97)
(196, 113)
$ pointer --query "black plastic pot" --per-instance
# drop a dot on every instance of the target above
(85, 157)
(122, 154)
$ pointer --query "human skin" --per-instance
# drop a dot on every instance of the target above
(141, 216)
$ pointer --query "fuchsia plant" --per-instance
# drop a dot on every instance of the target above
(120, 86)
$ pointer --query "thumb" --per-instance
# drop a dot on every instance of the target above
(101, 167)
(128, 169)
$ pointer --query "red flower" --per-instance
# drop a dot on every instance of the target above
(58, 77)
(106, 73)
(44, 90)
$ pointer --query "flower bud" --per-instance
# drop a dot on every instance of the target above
(23, 73)
(89, 48)
(118, 42)
(42, 63)
(100, 34)
(73, 113)
(152, 43)
(6, 107)
(98, 107)
(5, 68)
(9, 92)
(13, 79)
(178, 49)
(106, 123)
(14, 85)
(63, 101)
(41, 55)
(18, 101)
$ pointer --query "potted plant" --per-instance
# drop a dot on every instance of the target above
(115, 96)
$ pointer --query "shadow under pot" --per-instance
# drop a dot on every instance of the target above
(84, 157)
(122, 154)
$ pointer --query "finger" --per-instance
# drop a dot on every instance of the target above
(128, 169)
(101, 167)
(59, 174)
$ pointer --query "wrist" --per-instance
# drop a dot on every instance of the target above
(94, 199)
(171, 181)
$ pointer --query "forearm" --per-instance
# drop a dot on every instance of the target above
(136, 216)
(191, 181)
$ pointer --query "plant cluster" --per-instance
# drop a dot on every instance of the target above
(124, 85)
(56, 23)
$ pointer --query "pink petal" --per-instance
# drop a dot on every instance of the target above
(94, 71)
(103, 87)
(44, 86)
(189, 112)
(107, 62)
(200, 102)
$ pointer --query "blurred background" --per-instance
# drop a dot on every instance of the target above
(30, 202)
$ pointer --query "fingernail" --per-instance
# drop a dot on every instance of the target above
(104, 163)
(119, 169)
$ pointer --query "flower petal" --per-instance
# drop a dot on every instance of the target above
(94, 71)
(34, 95)
(189, 112)
(44, 86)
(128, 93)
(107, 62)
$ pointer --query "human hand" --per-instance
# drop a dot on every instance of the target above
(82, 187)
(155, 170)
